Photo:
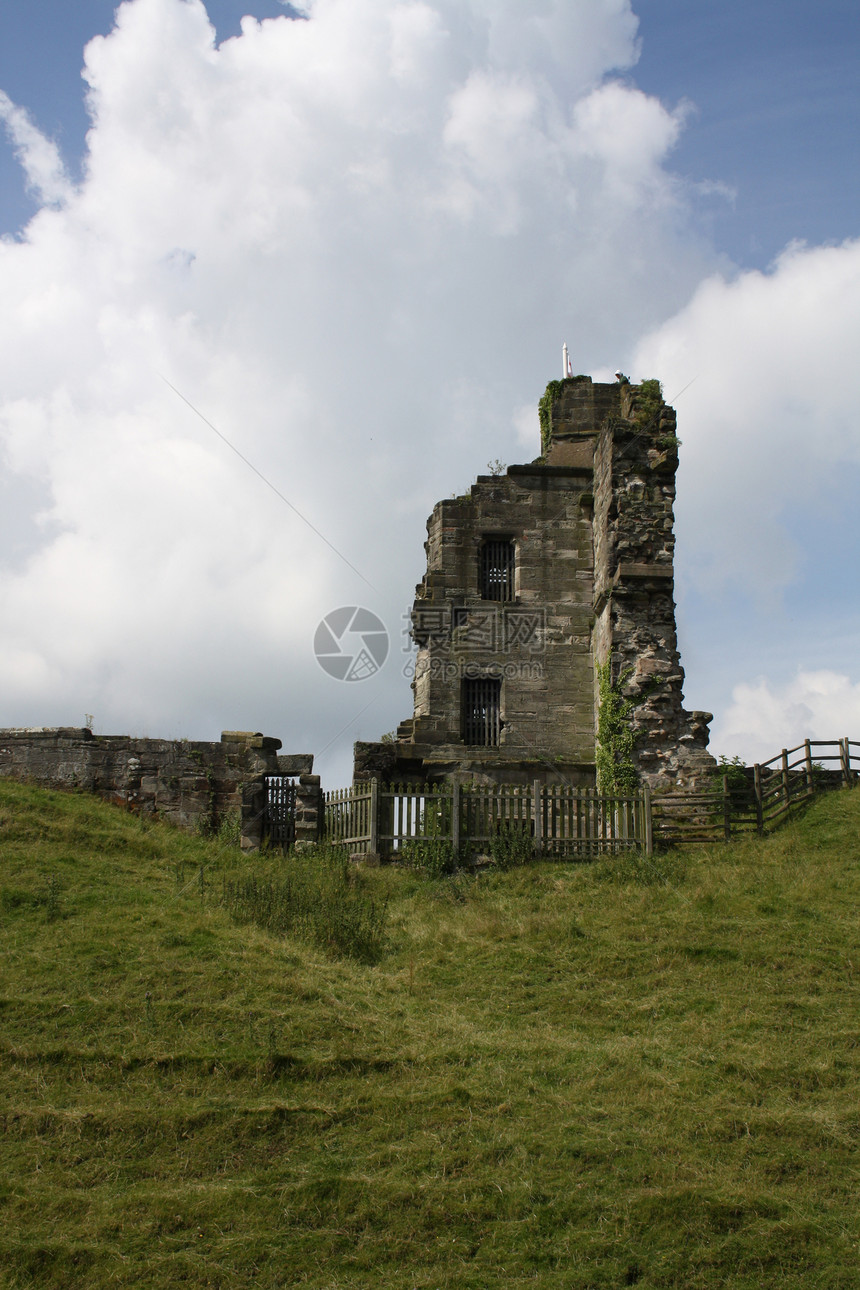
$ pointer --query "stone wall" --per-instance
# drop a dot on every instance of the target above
(310, 811)
(195, 785)
(536, 644)
(636, 457)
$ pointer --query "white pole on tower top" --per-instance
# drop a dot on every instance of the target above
(565, 361)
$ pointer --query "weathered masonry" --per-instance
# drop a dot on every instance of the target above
(539, 582)
(195, 785)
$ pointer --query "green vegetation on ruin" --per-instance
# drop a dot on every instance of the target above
(616, 771)
(550, 395)
(649, 398)
(629, 1072)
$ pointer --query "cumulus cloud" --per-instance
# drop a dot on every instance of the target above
(763, 366)
(770, 387)
(354, 243)
(39, 157)
(764, 717)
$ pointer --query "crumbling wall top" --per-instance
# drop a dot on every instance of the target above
(576, 407)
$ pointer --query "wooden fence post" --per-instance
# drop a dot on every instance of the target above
(374, 816)
(786, 791)
(455, 818)
(845, 758)
(759, 809)
(537, 814)
(647, 821)
(727, 809)
(810, 774)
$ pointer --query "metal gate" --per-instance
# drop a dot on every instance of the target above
(279, 825)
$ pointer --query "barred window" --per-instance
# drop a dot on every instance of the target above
(481, 711)
(497, 569)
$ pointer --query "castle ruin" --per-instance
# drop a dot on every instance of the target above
(548, 591)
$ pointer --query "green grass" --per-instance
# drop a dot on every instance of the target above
(318, 897)
(560, 1076)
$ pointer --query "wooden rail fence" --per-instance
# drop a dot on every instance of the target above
(770, 792)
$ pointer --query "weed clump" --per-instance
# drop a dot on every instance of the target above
(649, 402)
(508, 848)
(434, 857)
(663, 870)
(229, 830)
(318, 898)
(731, 772)
(511, 847)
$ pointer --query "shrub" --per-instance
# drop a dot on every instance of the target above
(511, 847)
(733, 771)
(434, 856)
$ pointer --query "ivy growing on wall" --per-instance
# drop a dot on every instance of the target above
(548, 398)
(616, 772)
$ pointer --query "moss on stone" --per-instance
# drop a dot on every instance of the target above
(545, 406)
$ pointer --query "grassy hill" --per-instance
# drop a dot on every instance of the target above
(561, 1076)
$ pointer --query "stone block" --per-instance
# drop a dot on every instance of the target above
(295, 764)
(370, 859)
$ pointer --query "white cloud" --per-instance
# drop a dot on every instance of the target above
(767, 417)
(355, 244)
(39, 157)
(765, 717)
(629, 133)
(527, 425)
(763, 369)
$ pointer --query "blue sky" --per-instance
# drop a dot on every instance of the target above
(41, 55)
(774, 89)
(776, 96)
(355, 243)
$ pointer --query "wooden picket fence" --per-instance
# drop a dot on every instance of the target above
(564, 821)
(560, 820)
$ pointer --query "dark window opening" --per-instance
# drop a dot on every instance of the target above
(482, 711)
(497, 569)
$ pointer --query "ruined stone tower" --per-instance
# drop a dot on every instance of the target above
(539, 582)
